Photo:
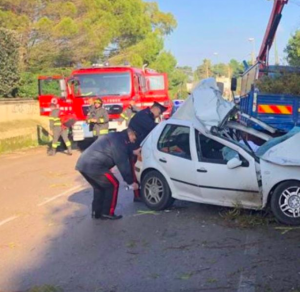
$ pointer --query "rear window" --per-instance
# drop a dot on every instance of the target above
(175, 140)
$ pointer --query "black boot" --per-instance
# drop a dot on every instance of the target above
(96, 215)
(111, 217)
(137, 200)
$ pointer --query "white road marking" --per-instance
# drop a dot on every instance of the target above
(8, 220)
(60, 195)
(247, 281)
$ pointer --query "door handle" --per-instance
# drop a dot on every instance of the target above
(202, 170)
(163, 160)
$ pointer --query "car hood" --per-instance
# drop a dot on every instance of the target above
(282, 150)
(206, 105)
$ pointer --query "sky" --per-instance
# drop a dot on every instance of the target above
(219, 30)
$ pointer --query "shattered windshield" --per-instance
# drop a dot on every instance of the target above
(250, 143)
(103, 84)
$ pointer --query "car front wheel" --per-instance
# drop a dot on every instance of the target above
(155, 191)
(285, 203)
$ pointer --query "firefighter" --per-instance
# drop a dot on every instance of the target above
(98, 119)
(129, 113)
(95, 165)
(58, 129)
(143, 123)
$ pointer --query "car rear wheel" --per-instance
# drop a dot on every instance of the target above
(155, 191)
(285, 203)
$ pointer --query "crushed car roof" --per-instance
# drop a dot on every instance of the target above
(205, 105)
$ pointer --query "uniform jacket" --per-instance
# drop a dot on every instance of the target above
(101, 116)
(54, 119)
(105, 153)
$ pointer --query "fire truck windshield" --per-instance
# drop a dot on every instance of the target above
(103, 84)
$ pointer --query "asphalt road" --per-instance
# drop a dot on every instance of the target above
(48, 238)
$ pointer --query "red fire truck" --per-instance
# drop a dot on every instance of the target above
(116, 86)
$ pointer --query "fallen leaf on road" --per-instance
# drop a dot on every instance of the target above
(60, 185)
(286, 229)
(140, 212)
(55, 174)
(186, 276)
(12, 245)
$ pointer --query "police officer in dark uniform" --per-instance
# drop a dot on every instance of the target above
(144, 122)
(129, 113)
(95, 165)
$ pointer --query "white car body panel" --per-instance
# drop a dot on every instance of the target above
(286, 153)
(273, 174)
(246, 186)
(216, 187)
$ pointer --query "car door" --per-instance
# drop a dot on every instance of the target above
(173, 153)
(223, 186)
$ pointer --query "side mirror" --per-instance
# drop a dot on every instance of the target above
(63, 88)
(233, 84)
(234, 163)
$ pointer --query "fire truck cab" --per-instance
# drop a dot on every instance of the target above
(116, 86)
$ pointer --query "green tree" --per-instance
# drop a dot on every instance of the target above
(293, 49)
(9, 60)
(60, 33)
(236, 67)
(204, 70)
(178, 81)
(165, 62)
(220, 69)
(187, 71)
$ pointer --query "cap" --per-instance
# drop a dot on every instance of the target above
(161, 107)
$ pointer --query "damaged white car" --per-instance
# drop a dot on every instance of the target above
(203, 155)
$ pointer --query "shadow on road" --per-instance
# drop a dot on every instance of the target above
(187, 248)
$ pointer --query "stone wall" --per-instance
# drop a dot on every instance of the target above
(18, 109)
(21, 125)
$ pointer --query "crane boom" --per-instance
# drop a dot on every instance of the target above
(271, 31)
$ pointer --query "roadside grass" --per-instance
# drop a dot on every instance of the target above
(18, 124)
(22, 134)
(17, 143)
(247, 218)
(46, 288)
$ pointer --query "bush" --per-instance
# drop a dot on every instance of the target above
(287, 83)
(28, 86)
(9, 61)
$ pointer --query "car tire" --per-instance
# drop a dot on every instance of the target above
(155, 191)
(285, 202)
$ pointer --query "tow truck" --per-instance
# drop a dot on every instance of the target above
(281, 111)
(115, 85)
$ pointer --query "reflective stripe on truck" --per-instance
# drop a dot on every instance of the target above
(275, 109)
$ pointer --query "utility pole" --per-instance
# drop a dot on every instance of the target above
(252, 40)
